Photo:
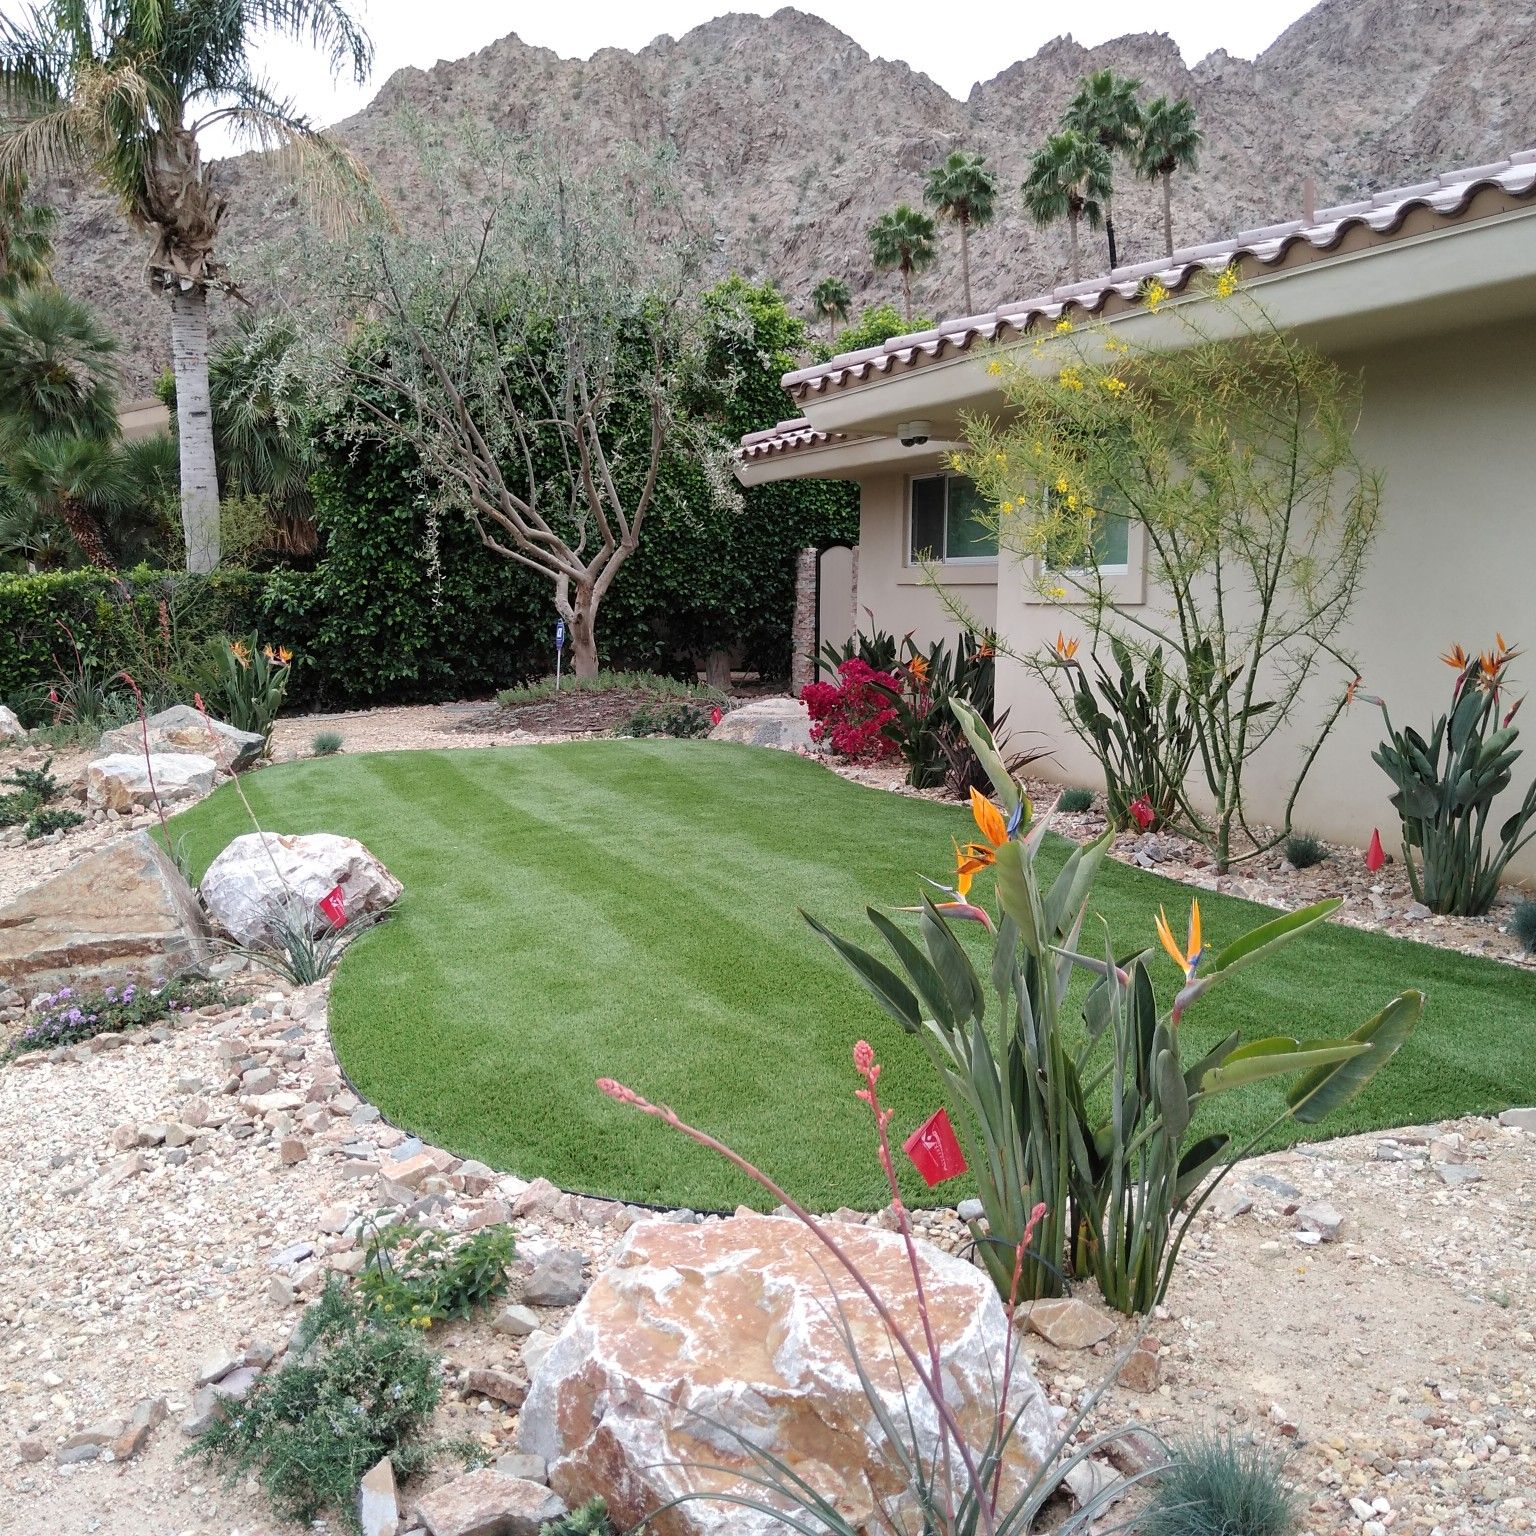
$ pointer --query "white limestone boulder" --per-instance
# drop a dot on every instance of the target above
(733, 1322)
(249, 888)
(775, 722)
(11, 728)
(184, 729)
(125, 782)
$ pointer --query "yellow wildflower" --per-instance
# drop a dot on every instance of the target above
(1112, 385)
(1006, 508)
(1061, 485)
(1226, 283)
(1071, 503)
(1154, 295)
(1056, 592)
(1063, 326)
(994, 367)
(1070, 378)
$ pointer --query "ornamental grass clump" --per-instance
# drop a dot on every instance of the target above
(958, 1483)
(1094, 1125)
(1218, 1485)
(1304, 851)
(1523, 925)
(1445, 786)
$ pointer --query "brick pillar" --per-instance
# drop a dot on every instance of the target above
(802, 632)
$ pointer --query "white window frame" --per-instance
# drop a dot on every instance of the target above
(1121, 569)
(959, 561)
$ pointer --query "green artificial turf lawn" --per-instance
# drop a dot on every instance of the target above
(628, 909)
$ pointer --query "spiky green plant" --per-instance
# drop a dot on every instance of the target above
(253, 685)
(1522, 924)
(1075, 801)
(1445, 786)
(1120, 1182)
(1303, 850)
(326, 743)
(1220, 1485)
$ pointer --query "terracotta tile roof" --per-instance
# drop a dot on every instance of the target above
(787, 435)
(1447, 196)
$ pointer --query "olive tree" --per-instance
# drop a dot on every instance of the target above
(1229, 449)
(535, 349)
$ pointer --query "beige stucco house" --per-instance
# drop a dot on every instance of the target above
(1429, 291)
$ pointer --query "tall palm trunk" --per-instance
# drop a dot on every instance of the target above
(906, 289)
(194, 427)
(1167, 180)
(965, 264)
(1109, 230)
(1072, 217)
(85, 530)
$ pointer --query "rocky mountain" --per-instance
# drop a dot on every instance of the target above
(791, 139)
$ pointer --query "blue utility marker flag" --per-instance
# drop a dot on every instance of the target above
(559, 634)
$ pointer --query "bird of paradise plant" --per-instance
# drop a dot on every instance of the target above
(253, 685)
(1095, 1127)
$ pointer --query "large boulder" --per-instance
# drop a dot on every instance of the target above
(733, 1322)
(776, 722)
(124, 913)
(126, 783)
(11, 728)
(184, 729)
(249, 888)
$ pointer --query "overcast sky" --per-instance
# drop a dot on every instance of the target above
(956, 42)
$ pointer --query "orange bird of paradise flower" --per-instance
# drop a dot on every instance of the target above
(1188, 958)
(1065, 648)
(1456, 657)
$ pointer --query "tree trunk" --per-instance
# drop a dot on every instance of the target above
(906, 291)
(965, 264)
(717, 670)
(1072, 237)
(194, 428)
(584, 635)
(1168, 211)
(1109, 230)
(85, 531)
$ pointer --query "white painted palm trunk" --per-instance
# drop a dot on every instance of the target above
(194, 428)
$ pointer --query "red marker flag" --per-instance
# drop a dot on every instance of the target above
(333, 907)
(934, 1151)
(1375, 855)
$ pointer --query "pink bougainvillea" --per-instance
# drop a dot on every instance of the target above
(852, 714)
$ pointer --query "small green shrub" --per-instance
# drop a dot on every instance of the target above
(35, 781)
(326, 743)
(41, 822)
(1220, 1486)
(683, 720)
(70, 1015)
(1075, 800)
(352, 1392)
(1302, 850)
(415, 1276)
(650, 684)
(17, 809)
(1523, 925)
(590, 1520)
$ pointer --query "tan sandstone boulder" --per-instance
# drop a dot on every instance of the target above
(126, 783)
(181, 728)
(732, 1322)
(119, 914)
(773, 722)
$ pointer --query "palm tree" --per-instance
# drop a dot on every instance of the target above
(125, 87)
(1169, 142)
(831, 300)
(1106, 110)
(905, 238)
(1069, 178)
(58, 411)
(963, 189)
(26, 243)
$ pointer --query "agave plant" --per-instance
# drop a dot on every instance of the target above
(1099, 1131)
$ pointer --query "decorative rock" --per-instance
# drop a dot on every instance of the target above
(123, 913)
(1142, 1370)
(777, 722)
(517, 1322)
(378, 1505)
(236, 1386)
(556, 1279)
(11, 728)
(1070, 1323)
(733, 1319)
(185, 730)
(485, 1503)
(206, 1406)
(142, 1420)
(500, 1385)
(1519, 1119)
(530, 1469)
(217, 1364)
(291, 1150)
(126, 782)
(535, 1347)
(1321, 1218)
(88, 1444)
(1455, 1175)
(537, 1198)
(245, 896)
